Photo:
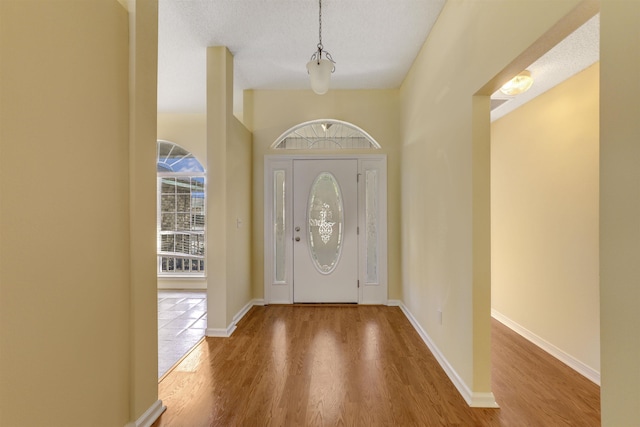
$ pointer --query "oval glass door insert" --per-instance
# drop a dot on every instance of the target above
(326, 223)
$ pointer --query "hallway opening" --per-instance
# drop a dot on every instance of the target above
(182, 322)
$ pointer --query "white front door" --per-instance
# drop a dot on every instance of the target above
(325, 220)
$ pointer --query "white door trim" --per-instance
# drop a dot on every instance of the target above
(372, 290)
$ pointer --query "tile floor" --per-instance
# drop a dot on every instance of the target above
(182, 320)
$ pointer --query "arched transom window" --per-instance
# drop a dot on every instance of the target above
(181, 211)
(325, 134)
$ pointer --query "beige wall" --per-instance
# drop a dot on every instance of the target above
(544, 217)
(187, 130)
(620, 211)
(445, 171)
(239, 234)
(270, 113)
(65, 297)
(143, 57)
(225, 149)
(228, 197)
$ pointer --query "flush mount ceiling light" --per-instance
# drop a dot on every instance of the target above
(320, 68)
(519, 84)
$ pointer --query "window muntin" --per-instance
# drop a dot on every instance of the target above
(173, 158)
(181, 211)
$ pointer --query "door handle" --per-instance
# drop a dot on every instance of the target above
(297, 238)
(297, 228)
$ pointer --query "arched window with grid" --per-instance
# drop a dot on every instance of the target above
(325, 134)
(181, 212)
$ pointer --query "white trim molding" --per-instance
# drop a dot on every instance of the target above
(474, 400)
(559, 354)
(220, 332)
(225, 333)
(150, 416)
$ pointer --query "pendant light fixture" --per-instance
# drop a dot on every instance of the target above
(320, 68)
(519, 84)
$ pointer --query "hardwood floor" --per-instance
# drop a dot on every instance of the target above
(360, 366)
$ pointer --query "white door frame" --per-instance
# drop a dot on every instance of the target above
(372, 169)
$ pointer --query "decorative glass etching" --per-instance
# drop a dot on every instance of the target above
(325, 222)
(371, 224)
(278, 225)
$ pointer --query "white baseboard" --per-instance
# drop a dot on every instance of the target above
(483, 400)
(476, 400)
(150, 416)
(565, 358)
(220, 332)
(225, 333)
(244, 310)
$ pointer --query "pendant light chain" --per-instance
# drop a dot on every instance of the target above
(317, 56)
(320, 27)
(321, 65)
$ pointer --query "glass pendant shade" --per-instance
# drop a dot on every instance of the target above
(320, 74)
(519, 84)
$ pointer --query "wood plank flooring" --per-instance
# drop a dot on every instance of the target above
(360, 366)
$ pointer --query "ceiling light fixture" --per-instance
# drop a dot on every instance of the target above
(519, 84)
(320, 68)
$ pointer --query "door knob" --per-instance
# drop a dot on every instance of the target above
(297, 228)
(297, 238)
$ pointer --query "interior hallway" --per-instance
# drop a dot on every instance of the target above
(361, 365)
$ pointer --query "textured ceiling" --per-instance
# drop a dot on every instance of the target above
(373, 42)
(572, 55)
